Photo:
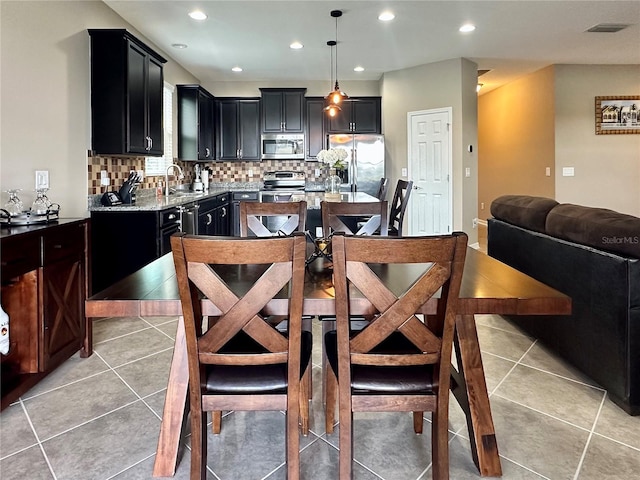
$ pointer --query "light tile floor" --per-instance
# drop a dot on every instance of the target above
(98, 418)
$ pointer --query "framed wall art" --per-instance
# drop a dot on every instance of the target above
(616, 115)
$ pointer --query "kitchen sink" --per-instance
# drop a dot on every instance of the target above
(186, 194)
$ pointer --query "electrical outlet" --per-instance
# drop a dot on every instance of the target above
(474, 223)
(104, 178)
(251, 173)
(42, 179)
(317, 172)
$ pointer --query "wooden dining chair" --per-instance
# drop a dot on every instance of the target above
(347, 218)
(382, 189)
(240, 361)
(293, 216)
(398, 362)
(343, 217)
(399, 206)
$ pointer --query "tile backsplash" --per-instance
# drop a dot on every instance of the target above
(118, 169)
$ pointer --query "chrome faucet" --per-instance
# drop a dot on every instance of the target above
(166, 177)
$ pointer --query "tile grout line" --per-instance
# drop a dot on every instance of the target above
(517, 362)
(140, 398)
(129, 467)
(33, 429)
(591, 432)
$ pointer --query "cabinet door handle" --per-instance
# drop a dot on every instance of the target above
(209, 219)
(224, 212)
(237, 153)
(207, 152)
(150, 143)
(240, 155)
(172, 216)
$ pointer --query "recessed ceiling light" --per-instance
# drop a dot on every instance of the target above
(179, 45)
(296, 46)
(236, 69)
(467, 27)
(358, 69)
(198, 15)
(386, 16)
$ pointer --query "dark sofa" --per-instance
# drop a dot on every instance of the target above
(592, 255)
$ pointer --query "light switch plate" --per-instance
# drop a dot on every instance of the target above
(568, 172)
(404, 172)
(42, 179)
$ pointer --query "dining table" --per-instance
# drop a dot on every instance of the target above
(488, 287)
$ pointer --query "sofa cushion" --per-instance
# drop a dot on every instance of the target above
(523, 210)
(596, 227)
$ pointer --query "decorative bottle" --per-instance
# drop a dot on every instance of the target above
(4, 331)
(333, 182)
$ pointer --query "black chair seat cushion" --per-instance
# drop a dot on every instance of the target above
(252, 379)
(392, 379)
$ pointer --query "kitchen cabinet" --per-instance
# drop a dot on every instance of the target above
(125, 241)
(213, 215)
(316, 137)
(126, 95)
(357, 115)
(195, 123)
(44, 286)
(282, 110)
(238, 129)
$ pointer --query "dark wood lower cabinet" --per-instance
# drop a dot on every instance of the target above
(44, 286)
(63, 322)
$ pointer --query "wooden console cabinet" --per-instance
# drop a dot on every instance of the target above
(44, 286)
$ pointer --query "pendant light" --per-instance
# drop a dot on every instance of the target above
(331, 108)
(336, 96)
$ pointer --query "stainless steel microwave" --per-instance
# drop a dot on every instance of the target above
(282, 146)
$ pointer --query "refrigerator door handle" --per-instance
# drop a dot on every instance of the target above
(354, 171)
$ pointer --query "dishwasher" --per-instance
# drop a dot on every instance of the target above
(169, 223)
(236, 198)
(189, 218)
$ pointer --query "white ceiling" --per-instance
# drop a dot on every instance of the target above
(512, 38)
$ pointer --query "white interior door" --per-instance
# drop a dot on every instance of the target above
(430, 163)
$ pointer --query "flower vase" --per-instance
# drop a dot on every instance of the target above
(332, 185)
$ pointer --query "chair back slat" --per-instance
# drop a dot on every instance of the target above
(335, 214)
(252, 215)
(397, 312)
(399, 206)
(382, 189)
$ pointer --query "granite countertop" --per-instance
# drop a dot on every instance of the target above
(146, 200)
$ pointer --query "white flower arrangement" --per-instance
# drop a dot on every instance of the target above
(334, 157)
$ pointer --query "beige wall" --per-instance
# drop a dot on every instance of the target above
(433, 86)
(607, 167)
(317, 88)
(516, 139)
(45, 89)
(548, 119)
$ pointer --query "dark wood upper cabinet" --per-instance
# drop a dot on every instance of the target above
(126, 95)
(316, 137)
(282, 110)
(357, 115)
(196, 130)
(238, 132)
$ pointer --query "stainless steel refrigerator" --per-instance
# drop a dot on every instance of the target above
(365, 160)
